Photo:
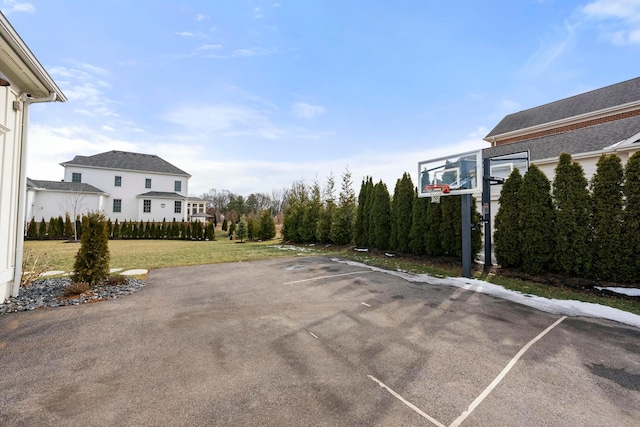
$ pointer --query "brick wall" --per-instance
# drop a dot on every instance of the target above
(570, 127)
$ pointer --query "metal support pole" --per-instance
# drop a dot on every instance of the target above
(466, 235)
(486, 211)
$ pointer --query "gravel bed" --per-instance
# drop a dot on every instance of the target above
(45, 293)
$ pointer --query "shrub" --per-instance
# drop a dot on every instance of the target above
(92, 260)
(76, 288)
(33, 265)
(116, 280)
(507, 223)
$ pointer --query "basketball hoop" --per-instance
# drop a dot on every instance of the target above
(436, 191)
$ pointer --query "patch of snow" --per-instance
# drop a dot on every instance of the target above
(135, 272)
(632, 292)
(361, 249)
(51, 273)
(113, 270)
(561, 307)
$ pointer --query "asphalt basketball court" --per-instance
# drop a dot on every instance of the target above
(311, 341)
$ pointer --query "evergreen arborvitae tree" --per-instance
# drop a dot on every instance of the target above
(59, 227)
(109, 229)
(536, 221)
(432, 244)
(68, 226)
(344, 216)
(253, 227)
(77, 230)
(210, 232)
(381, 216)
(632, 219)
(196, 230)
(419, 225)
(506, 237)
(164, 232)
(42, 230)
(323, 232)
(607, 197)
(124, 230)
(241, 232)
(311, 214)
(224, 225)
(92, 260)
(572, 202)
(359, 237)
(32, 230)
(451, 225)
(297, 200)
(232, 228)
(267, 226)
(402, 214)
(116, 229)
(368, 226)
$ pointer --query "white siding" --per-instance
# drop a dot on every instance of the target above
(133, 185)
(49, 204)
(10, 224)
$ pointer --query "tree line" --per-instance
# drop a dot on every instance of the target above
(571, 226)
(402, 223)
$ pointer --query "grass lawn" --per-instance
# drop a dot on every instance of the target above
(148, 254)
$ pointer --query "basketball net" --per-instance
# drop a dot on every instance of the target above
(436, 191)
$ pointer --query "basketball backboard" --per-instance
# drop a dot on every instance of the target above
(451, 175)
(502, 166)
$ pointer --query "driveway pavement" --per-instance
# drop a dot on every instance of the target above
(308, 341)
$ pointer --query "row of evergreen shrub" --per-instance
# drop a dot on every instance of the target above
(403, 223)
(571, 226)
(59, 229)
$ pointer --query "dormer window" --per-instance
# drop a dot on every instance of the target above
(76, 177)
(147, 183)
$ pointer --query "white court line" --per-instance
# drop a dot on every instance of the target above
(329, 277)
(313, 335)
(502, 374)
(409, 404)
(365, 304)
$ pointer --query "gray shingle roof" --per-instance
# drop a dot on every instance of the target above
(127, 161)
(595, 100)
(74, 187)
(161, 194)
(583, 140)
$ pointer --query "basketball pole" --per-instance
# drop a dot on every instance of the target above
(486, 211)
(466, 236)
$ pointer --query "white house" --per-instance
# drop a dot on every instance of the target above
(123, 185)
(23, 81)
(50, 199)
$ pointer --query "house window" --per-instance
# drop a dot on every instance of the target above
(147, 183)
(177, 208)
(118, 181)
(76, 177)
(146, 206)
(117, 205)
(177, 186)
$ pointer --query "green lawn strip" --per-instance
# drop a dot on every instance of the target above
(562, 293)
(525, 287)
(147, 254)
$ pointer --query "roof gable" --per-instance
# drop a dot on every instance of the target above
(74, 187)
(124, 160)
(585, 103)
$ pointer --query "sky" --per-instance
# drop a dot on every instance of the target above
(251, 95)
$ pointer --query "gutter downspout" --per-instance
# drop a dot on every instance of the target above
(22, 191)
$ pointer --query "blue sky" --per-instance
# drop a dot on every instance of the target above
(251, 95)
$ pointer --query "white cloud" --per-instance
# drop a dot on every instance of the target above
(201, 17)
(551, 48)
(108, 128)
(10, 6)
(618, 20)
(209, 47)
(307, 111)
(185, 34)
